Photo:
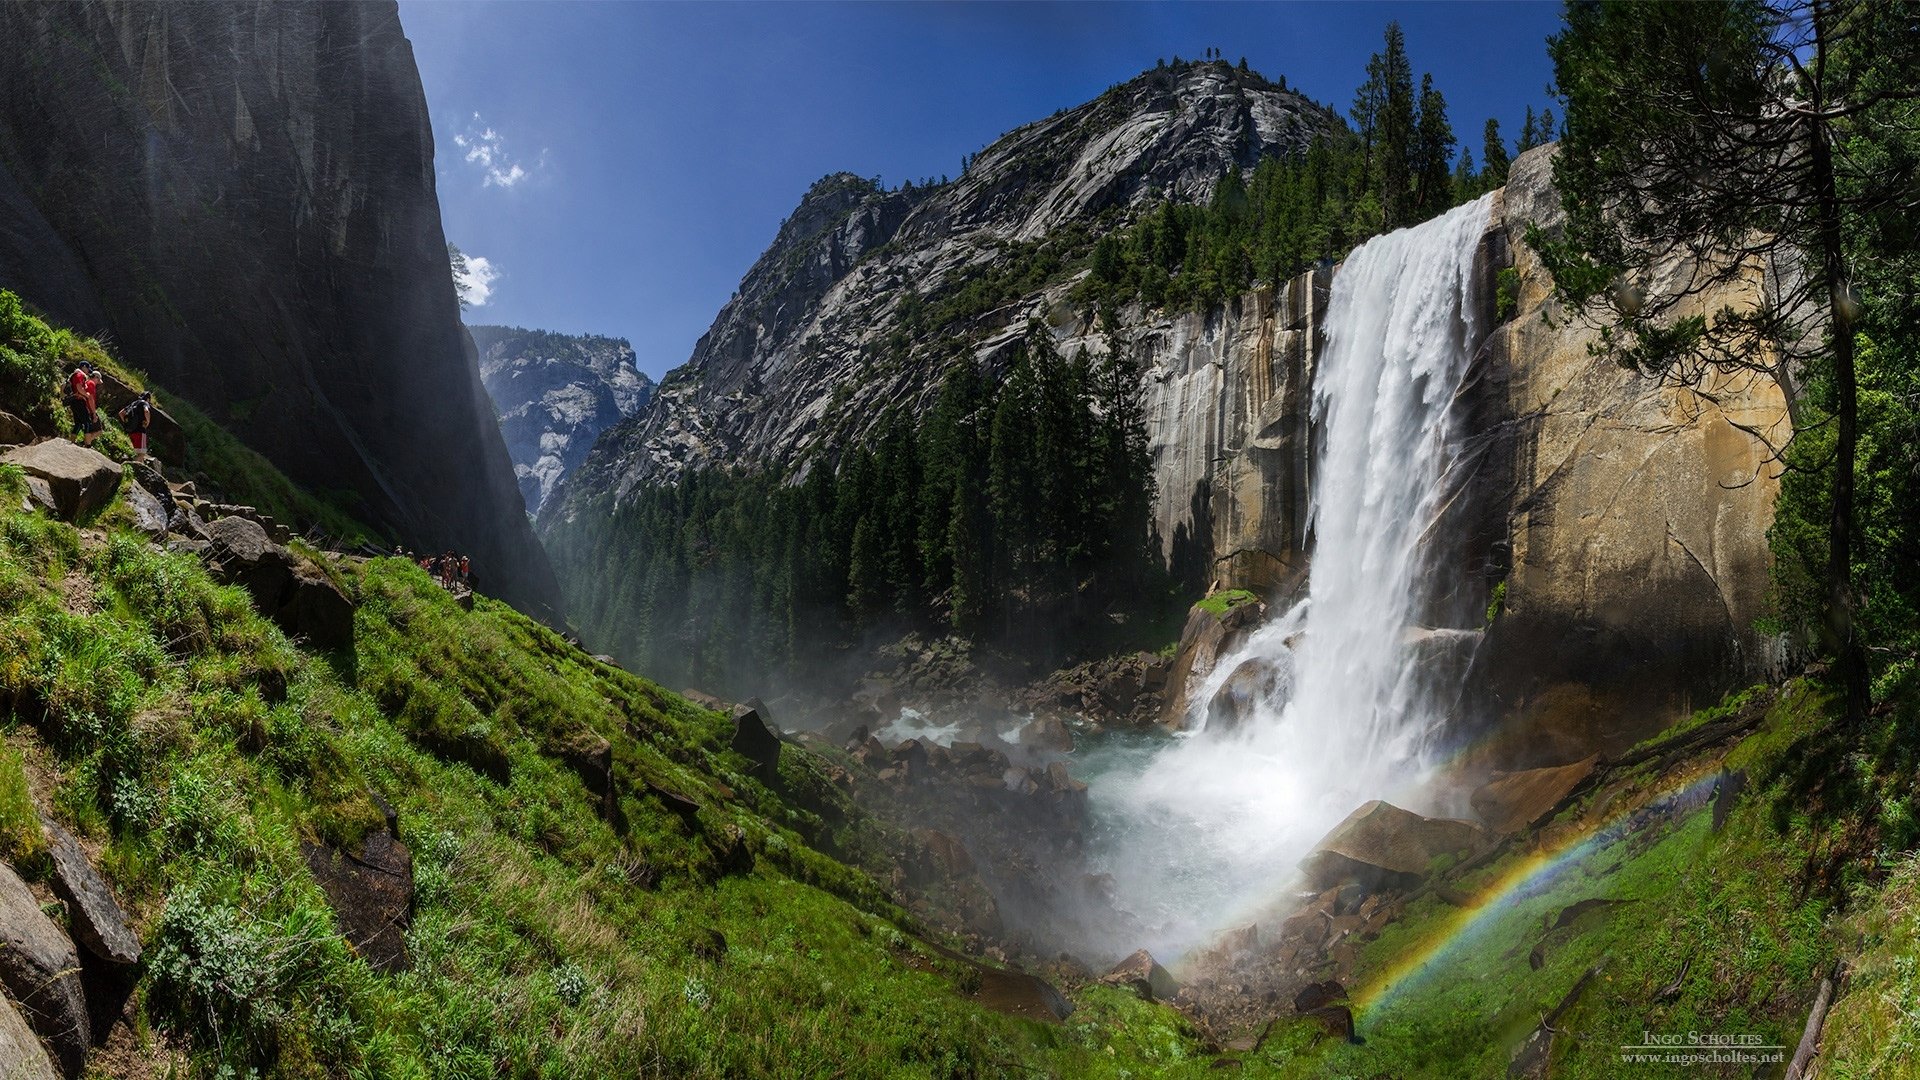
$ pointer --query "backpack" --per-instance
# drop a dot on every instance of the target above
(137, 410)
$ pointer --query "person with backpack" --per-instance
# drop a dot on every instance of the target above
(136, 418)
(83, 389)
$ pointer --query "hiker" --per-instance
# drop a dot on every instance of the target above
(448, 565)
(466, 571)
(136, 418)
(83, 388)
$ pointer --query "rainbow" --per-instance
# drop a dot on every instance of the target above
(1498, 895)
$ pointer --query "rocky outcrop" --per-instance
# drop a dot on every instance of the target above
(286, 588)
(1382, 846)
(808, 352)
(241, 196)
(555, 393)
(1631, 519)
(1214, 628)
(371, 891)
(1144, 975)
(99, 923)
(21, 1055)
(1514, 801)
(78, 480)
(41, 972)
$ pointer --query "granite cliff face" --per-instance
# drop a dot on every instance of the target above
(555, 393)
(1621, 521)
(241, 196)
(814, 346)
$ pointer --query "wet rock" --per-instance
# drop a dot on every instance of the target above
(1239, 942)
(755, 741)
(13, 430)
(1382, 846)
(21, 1055)
(1145, 976)
(41, 971)
(1257, 679)
(99, 924)
(79, 479)
(1047, 733)
(1203, 641)
(285, 587)
(949, 855)
(1511, 802)
(372, 895)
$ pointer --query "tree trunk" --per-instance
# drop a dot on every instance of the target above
(1850, 656)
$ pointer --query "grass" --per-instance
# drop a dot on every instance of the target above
(1703, 931)
(201, 748)
(1220, 603)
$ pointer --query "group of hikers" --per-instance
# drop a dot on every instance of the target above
(447, 568)
(83, 399)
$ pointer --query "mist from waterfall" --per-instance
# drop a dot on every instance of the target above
(1201, 835)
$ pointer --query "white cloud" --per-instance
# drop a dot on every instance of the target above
(474, 281)
(486, 150)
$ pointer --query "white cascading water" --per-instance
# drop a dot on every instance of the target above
(1201, 835)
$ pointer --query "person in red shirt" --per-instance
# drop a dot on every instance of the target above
(83, 398)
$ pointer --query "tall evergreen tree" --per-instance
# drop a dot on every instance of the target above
(1493, 156)
(1432, 153)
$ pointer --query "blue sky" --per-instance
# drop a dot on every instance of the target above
(620, 165)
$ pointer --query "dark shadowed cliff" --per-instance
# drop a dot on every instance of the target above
(242, 197)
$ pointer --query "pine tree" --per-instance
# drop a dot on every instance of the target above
(1493, 157)
(1433, 152)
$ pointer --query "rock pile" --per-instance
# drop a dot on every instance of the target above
(61, 991)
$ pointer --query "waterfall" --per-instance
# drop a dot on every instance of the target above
(1203, 833)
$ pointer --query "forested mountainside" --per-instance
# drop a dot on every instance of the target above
(242, 196)
(555, 393)
(972, 381)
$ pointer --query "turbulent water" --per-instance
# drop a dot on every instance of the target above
(1200, 835)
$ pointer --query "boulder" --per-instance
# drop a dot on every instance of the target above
(149, 516)
(39, 497)
(98, 922)
(13, 430)
(21, 1055)
(286, 588)
(1318, 995)
(1206, 638)
(1144, 974)
(1047, 733)
(41, 971)
(148, 475)
(1511, 802)
(755, 741)
(1336, 1019)
(1020, 994)
(1256, 680)
(371, 893)
(79, 479)
(1383, 846)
